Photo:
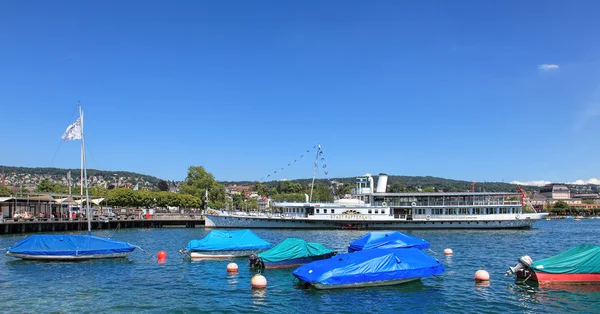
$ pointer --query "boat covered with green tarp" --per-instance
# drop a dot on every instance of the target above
(580, 264)
(583, 259)
(291, 252)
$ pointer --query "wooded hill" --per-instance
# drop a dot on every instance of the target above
(58, 173)
(409, 184)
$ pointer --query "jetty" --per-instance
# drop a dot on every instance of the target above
(34, 225)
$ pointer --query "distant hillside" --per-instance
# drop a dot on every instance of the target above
(58, 173)
(413, 182)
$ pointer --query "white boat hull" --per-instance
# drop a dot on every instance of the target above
(66, 257)
(365, 284)
(524, 221)
(222, 254)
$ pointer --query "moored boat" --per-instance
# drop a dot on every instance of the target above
(379, 267)
(580, 264)
(386, 240)
(291, 252)
(68, 248)
(226, 244)
(373, 208)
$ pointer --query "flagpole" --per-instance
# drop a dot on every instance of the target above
(314, 173)
(70, 199)
(84, 169)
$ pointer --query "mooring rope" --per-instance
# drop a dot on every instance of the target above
(139, 247)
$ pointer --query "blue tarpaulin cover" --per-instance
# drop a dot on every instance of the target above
(292, 248)
(370, 265)
(68, 245)
(583, 259)
(386, 240)
(218, 240)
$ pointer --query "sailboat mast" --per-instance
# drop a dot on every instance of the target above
(70, 199)
(312, 186)
(84, 170)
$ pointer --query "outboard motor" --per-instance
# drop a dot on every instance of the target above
(255, 262)
(525, 262)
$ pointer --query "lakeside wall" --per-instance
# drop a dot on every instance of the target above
(10, 226)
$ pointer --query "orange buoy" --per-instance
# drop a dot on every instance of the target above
(259, 281)
(162, 255)
(448, 252)
(232, 268)
(482, 275)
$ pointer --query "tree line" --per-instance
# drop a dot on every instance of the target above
(60, 173)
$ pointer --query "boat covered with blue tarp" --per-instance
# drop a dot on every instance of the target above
(291, 252)
(386, 240)
(369, 268)
(225, 244)
(68, 247)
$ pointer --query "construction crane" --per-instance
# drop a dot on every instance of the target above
(473, 186)
(524, 197)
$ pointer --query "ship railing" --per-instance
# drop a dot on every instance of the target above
(446, 204)
(445, 217)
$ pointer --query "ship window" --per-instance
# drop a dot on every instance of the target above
(370, 211)
(317, 210)
(376, 211)
(325, 211)
(333, 211)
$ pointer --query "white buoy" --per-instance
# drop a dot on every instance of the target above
(448, 252)
(259, 281)
(482, 275)
(232, 268)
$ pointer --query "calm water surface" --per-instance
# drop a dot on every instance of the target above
(140, 284)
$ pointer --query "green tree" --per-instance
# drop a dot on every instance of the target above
(397, 188)
(98, 191)
(429, 189)
(163, 185)
(238, 200)
(290, 187)
(261, 189)
(252, 204)
(4, 191)
(48, 186)
(198, 181)
(561, 205)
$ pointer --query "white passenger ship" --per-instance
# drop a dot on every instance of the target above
(378, 209)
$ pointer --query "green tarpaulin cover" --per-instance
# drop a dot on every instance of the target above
(583, 259)
(291, 248)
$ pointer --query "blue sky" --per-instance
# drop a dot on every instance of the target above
(470, 90)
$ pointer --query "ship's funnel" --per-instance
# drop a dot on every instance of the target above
(382, 183)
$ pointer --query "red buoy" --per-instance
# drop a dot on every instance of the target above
(162, 255)
(232, 268)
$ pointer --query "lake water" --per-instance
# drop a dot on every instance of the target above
(141, 284)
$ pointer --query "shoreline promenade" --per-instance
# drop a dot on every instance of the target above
(36, 225)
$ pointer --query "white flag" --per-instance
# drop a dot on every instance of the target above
(73, 131)
(136, 187)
